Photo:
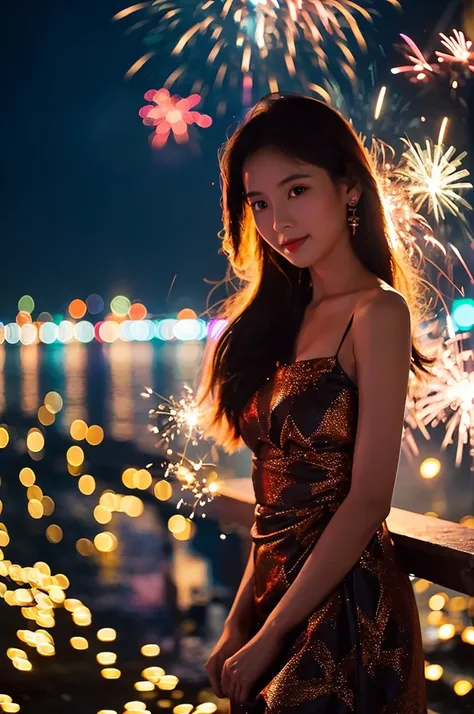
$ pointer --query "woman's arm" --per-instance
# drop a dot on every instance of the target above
(241, 609)
(382, 349)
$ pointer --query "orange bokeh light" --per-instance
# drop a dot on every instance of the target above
(137, 311)
(77, 309)
(23, 318)
(187, 314)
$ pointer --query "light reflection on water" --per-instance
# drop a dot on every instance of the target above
(152, 582)
(99, 383)
(102, 383)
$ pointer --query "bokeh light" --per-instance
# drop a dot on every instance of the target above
(171, 115)
(137, 311)
(54, 402)
(78, 429)
(186, 314)
(77, 309)
(120, 305)
(26, 304)
(94, 435)
(35, 440)
(430, 468)
(75, 456)
(4, 437)
(95, 304)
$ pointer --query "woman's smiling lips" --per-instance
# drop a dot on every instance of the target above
(293, 245)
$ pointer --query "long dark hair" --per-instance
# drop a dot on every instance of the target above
(265, 313)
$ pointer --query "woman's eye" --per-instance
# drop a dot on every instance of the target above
(255, 204)
(298, 187)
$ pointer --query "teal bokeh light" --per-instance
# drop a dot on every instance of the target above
(462, 314)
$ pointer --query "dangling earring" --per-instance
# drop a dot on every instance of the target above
(353, 219)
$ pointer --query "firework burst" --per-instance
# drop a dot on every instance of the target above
(375, 111)
(171, 115)
(433, 175)
(447, 398)
(419, 68)
(459, 49)
(179, 418)
(248, 42)
(412, 230)
(412, 235)
(455, 62)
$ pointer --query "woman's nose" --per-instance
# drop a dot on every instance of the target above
(282, 222)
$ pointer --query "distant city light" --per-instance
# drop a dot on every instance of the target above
(95, 304)
(463, 313)
(215, 328)
(120, 305)
(77, 309)
(26, 304)
(430, 468)
(186, 314)
(137, 311)
(126, 322)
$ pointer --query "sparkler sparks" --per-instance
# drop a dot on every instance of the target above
(433, 175)
(181, 418)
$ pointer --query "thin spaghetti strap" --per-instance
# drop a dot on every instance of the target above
(345, 334)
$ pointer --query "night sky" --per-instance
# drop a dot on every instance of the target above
(87, 205)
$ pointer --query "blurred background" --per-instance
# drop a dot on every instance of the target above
(113, 117)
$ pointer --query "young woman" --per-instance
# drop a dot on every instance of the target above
(311, 374)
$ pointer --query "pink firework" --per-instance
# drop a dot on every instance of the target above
(460, 50)
(419, 67)
(171, 114)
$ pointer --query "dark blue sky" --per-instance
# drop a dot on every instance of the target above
(87, 205)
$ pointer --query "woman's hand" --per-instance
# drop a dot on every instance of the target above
(233, 637)
(245, 667)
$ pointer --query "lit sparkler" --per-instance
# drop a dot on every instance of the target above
(180, 418)
(433, 175)
(171, 115)
(248, 41)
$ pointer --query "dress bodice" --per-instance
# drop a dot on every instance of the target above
(301, 427)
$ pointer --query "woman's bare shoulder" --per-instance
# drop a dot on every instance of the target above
(382, 303)
(381, 299)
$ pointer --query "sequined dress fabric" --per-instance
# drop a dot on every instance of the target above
(360, 651)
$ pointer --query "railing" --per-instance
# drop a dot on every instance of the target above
(430, 548)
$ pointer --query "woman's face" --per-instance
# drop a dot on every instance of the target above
(291, 199)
